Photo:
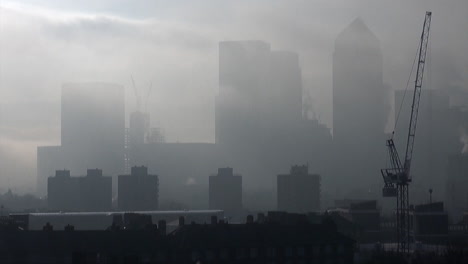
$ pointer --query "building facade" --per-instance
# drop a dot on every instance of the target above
(138, 191)
(92, 192)
(457, 182)
(225, 191)
(298, 191)
(92, 132)
(359, 109)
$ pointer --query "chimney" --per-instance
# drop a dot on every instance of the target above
(181, 220)
(214, 219)
(162, 227)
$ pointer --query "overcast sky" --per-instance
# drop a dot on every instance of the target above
(173, 44)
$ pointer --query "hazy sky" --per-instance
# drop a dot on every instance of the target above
(173, 44)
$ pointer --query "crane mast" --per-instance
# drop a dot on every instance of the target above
(397, 177)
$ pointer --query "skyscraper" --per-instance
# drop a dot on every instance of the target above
(358, 105)
(259, 119)
(259, 91)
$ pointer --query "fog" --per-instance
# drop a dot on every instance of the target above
(174, 46)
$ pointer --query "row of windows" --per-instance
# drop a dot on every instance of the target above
(269, 252)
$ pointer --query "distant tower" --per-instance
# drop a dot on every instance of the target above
(92, 132)
(358, 104)
(225, 191)
(138, 191)
(298, 191)
(260, 90)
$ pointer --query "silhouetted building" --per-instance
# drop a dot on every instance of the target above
(259, 113)
(262, 243)
(92, 132)
(134, 238)
(95, 191)
(225, 191)
(430, 223)
(63, 192)
(359, 108)
(457, 186)
(90, 193)
(364, 214)
(298, 191)
(138, 191)
(103, 219)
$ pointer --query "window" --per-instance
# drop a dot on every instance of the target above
(241, 253)
(195, 255)
(301, 251)
(271, 252)
(341, 249)
(210, 255)
(253, 252)
(224, 254)
(161, 256)
(288, 252)
(328, 249)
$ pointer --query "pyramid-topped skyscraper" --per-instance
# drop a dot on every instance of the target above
(358, 106)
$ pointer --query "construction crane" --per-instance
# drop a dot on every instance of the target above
(137, 96)
(397, 177)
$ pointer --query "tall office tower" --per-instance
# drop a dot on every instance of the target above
(93, 115)
(138, 191)
(259, 90)
(225, 191)
(358, 107)
(93, 132)
(298, 191)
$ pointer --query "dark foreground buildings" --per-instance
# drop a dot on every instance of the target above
(136, 240)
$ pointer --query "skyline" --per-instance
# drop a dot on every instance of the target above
(178, 53)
